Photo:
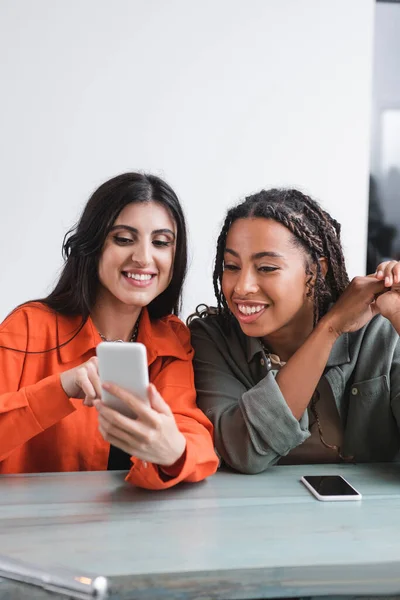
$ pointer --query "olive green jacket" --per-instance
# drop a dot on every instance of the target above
(254, 427)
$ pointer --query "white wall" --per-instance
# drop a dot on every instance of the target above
(220, 97)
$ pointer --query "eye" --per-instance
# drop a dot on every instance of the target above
(230, 267)
(122, 241)
(267, 269)
(161, 243)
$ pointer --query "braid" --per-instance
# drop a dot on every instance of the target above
(218, 267)
(337, 277)
(313, 229)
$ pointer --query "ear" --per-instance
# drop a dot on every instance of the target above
(323, 263)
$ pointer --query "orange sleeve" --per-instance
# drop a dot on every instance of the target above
(25, 411)
(175, 382)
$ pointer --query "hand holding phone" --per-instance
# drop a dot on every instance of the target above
(123, 363)
(331, 488)
(155, 436)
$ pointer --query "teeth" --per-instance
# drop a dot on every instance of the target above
(139, 277)
(250, 310)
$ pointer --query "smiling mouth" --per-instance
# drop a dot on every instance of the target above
(138, 276)
(138, 280)
(249, 313)
(246, 309)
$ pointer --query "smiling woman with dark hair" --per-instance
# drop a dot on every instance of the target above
(297, 365)
(122, 281)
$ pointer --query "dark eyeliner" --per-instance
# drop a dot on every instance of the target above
(119, 239)
(268, 269)
(161, 243)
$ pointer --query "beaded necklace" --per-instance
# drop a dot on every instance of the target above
(133, 337)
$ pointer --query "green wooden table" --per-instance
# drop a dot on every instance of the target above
(233, 536)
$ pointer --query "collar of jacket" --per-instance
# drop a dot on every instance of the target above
(159, 337)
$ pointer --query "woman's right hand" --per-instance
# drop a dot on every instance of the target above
(356, 306)
(83, 382)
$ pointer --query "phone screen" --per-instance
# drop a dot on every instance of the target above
(330, 485)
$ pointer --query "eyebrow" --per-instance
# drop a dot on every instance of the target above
(134, 230)
(256, 255)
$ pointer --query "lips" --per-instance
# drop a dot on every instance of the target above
(249, 312)
(136, 279)
(247, 309)
(138, 276)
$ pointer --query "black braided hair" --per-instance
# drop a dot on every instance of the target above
(314, 230)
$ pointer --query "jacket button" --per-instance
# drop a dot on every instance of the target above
(354, 391)
(262, 361)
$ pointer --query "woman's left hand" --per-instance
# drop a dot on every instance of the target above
(153, 436)
(388, 303)
(389, 271)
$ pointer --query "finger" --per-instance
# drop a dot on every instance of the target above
(114, 421)
(396, 272)
(366, 286)
(115, 441)
(380, 269)
(388, 271)
(157, 402)
(85, 384)
(93, 361)
(139, 452)
(132, 444)
(93, 376)
(142, 410)
(88, 402)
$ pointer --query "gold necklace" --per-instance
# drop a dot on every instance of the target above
(133, 337)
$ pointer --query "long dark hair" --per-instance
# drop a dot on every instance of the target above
(314, 230)
(76, 290)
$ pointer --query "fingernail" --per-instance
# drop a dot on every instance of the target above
(387, 280)
(379, 274)
(106, 385)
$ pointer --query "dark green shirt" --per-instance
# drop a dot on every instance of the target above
(253, 425)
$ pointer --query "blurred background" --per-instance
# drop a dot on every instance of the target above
(384, 187)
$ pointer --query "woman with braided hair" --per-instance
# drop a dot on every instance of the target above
(296, 364)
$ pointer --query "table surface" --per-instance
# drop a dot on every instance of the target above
(232, 536)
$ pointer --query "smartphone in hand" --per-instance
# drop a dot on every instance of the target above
(125, 364)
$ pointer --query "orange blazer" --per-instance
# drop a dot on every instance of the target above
(42, 430)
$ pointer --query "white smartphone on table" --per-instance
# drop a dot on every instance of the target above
(123, 363)
(330, 488)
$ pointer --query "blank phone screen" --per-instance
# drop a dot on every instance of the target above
(330, 485)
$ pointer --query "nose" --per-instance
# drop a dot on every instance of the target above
(246, 283)
(141, 255)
